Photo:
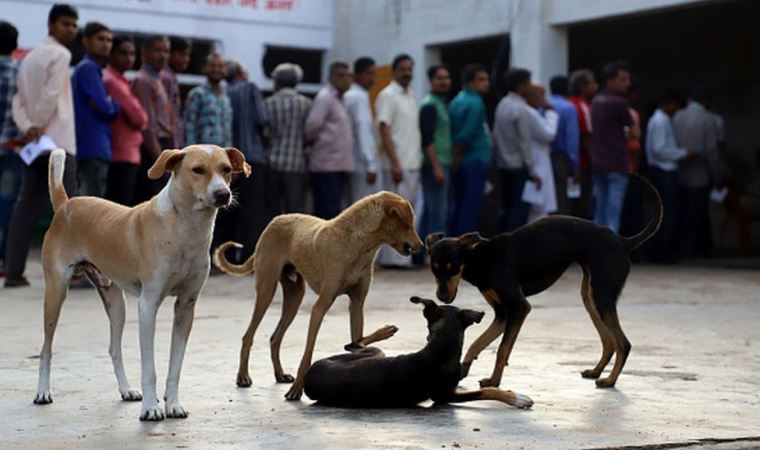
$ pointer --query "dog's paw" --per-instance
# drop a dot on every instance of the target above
(176, 411)
(591, 373)
(605, 383)
(386, 332)
(130, 395)
(152, 413)
(244, 381)
(487, 382)
(523, 401)
(43, 398)
(294, 393)
(284, 378)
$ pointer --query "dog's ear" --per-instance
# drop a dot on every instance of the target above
(399, 208)
(166, 162)
(470, 240)
(237, 159)
(431, 310)
(470, 317)
(432, 238)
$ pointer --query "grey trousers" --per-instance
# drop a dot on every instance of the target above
(28, 209)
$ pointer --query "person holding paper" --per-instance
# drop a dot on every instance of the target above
(566, 145)
(543, 130)
(42, 106)
(512, 139)
(663, 155)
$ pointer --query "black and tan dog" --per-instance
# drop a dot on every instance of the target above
(512, 266)
(365, 378)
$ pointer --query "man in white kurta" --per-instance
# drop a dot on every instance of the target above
(398, 125)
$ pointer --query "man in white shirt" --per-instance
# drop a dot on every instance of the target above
(663, 154)
(512, 139)
(42, 106)
(398, 124)
(364, 180)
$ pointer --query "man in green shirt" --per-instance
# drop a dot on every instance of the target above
(472, 149)
(436, 152)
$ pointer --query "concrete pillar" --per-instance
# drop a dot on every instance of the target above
(538, 46)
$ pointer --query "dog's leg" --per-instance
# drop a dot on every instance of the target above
(184, 312)
(492, 332)
(292, 296)
(601, 328)
(491, 393)
(622, 347)
(266, 285)
(606, 285)
(318, 311)
(517, 309)
(147, 307)
(55, 294)
(356, 296)
(378, 335)
(115, 306)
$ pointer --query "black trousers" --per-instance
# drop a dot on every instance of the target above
(244, 221)
(122, 177)
(145, 188)
(28, 209)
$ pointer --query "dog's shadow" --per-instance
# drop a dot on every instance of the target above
(444, 415)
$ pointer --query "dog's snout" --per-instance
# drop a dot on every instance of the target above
(221, 197)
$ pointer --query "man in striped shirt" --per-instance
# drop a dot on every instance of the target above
(287, 110)
(151, 93)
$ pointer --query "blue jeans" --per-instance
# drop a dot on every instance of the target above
(11, 171)
(469, 183)
(609, 194)
(514, 211)
(327, 189)
(435, 209)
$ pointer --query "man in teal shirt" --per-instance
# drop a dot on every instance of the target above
(435, 132)
(472, 150)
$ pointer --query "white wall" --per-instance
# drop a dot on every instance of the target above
(241, 32)
(383, 28)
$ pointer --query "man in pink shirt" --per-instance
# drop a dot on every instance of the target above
(42, 106)
(331, 155)
(127, 129)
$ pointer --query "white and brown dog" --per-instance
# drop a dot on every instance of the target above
(156, 249)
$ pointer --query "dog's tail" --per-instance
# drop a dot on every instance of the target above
(233, 269)
(56, 164)
(655, 202)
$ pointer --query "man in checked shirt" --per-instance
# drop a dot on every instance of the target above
(287, 110)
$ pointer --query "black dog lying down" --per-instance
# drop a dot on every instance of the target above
(365, 378)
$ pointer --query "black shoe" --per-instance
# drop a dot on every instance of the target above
(16, 282)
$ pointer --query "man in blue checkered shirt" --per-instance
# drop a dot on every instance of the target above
(11, 167)
(208, 112)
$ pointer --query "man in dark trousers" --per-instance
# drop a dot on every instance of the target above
(253, 212)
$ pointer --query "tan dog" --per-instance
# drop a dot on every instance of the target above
(153, 250)
(334, 257)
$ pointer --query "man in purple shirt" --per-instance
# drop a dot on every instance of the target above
(609, 162)
(328, 128)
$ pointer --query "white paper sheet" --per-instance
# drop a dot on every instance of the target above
(532, 194)
(34, 149)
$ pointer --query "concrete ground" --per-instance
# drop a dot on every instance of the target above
(691, 381)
